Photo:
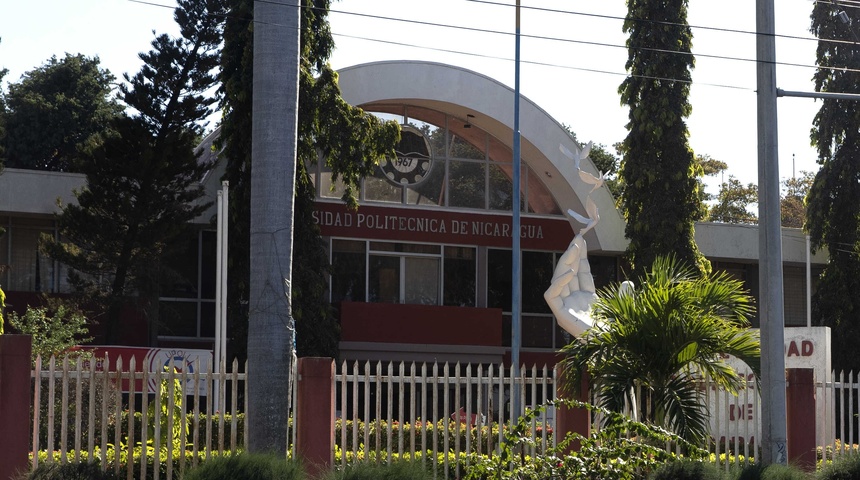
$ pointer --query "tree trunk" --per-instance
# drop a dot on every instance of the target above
(273, 158)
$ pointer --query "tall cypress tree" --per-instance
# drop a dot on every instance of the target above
(347, 139)
(832, 218)
(660, 195)
(142, 177)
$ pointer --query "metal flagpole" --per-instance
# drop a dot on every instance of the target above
(516, 284)
(224, 215)
(216, 357)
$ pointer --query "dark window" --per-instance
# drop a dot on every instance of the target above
(348, 271)
(537, 275)
(187, 307)
(499, 279)
(460, 276)
(404, 279)
(180, 273)
(384, 279)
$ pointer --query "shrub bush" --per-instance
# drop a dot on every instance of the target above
(687, 470)
(246, 467)
(843, 467)
(457, 464)
(621, 450)
(400, 470)
(70, 471)
(54, 328)
(783, 472)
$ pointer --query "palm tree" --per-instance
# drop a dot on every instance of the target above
(661, 339)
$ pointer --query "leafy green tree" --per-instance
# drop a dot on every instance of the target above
(143, 175)
(675, 327)
(833, 220)
(733, 203)
(660, 199)
(55, 110)
(347, 139)
(792, 205)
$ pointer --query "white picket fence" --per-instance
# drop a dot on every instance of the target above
(842, 400)
(85, 412)
(82, 413)
(433, 409)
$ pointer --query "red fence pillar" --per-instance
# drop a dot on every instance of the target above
(800, 410)
(315, 414)
(567, 420)
(15, 353)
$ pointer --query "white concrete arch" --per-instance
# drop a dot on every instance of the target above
(458, 92)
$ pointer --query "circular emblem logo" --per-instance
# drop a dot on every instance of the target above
(413, 162)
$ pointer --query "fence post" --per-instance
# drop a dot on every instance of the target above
(800, 410)
(314, 420)
(577, 420)
(15, 366)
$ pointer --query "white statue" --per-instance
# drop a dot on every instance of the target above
(571, 293)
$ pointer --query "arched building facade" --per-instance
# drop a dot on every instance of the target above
(422, 271)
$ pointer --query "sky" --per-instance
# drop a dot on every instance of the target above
(572, 57)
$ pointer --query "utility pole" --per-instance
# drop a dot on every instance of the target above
(771, 310)
(271, 332)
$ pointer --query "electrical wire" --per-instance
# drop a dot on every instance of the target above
(547, 38)
(592, 43)
(544, 64)
(697, 27)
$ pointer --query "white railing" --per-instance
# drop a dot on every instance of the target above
(85, 412)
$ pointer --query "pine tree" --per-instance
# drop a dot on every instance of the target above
(833, 220)
(143, 176)
(659, 171)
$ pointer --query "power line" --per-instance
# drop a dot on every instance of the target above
(541, 37)
(591, 43)
(579, 42)
(660, 22)
(532, 62)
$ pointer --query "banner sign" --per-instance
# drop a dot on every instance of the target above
(183, 360)
(438, 226)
